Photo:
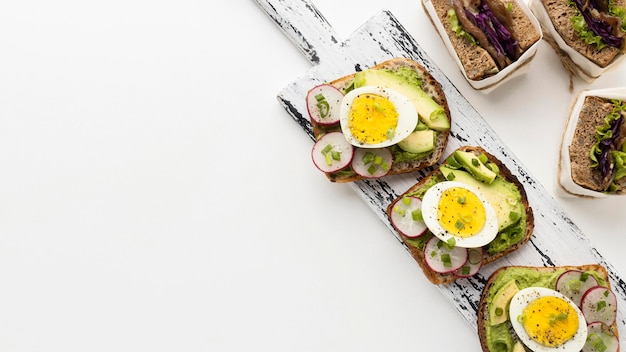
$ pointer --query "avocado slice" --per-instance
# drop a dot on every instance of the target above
(419, 142)
(499, 306)
(429, 112)
(474, 166)
(503, 196)
(518, 347)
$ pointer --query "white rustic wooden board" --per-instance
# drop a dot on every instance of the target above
(556, 239)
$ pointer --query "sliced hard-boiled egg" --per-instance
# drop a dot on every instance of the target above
(547, 321)
(458, 213)
(376, 117)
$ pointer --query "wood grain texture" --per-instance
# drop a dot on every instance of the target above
(556, 239)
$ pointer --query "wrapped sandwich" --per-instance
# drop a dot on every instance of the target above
(588, 35)
(490, 40)
(592, 158)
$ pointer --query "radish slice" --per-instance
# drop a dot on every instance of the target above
(406, 217)
(332, 152)
(473, 265)
(442, 258)
(375, 162)
(599, 304)
(600, 338)
(323, 104)
(574, 283)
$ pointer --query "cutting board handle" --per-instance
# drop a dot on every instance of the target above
(303, 24)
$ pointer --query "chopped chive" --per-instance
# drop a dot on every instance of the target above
(368, 157)
(467, 218)
(459, 225)
(406, 200)
(417, 215)
(378, 160)
(465, 271)
(324, 108)
(451, 242)
(372, 169)
(329, 160)
(336, 155)
(584, 276)
(601, 305)
(461, 200)
(447, 261)
(475, 162)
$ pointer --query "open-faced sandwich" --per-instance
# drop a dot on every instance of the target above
(592, 158)
(389, 119)
(588, 35)
(560, 309)
(468, 212)
(490, 40)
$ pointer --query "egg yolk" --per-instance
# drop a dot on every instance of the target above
(372, 118)
(550, 321)
(460, 212)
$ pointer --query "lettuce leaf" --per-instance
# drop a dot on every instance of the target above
(593, 30)
(456, 27)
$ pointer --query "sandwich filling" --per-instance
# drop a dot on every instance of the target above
(487, 23)
(600, 22)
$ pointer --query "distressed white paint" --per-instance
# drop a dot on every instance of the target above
(556, 239)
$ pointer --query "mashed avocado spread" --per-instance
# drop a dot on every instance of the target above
(499, 337)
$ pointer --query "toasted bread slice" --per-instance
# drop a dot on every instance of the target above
(526, 221)
(526, 276)
(431, 87)
(477, 63)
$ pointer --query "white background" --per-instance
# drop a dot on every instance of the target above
(154, 195)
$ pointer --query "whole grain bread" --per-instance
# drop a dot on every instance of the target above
(592, 114)
(431, 87)
(561, 14)
(476, 61)
(418, 254)
(483, 304)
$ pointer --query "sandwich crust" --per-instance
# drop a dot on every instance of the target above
(431, 87)
(439, 278)
(483, 307)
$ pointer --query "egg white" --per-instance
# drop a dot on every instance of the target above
(407, 115)
(430, 204)
(522, 298)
